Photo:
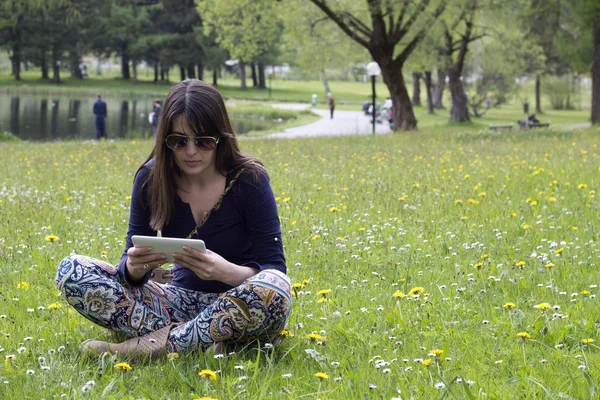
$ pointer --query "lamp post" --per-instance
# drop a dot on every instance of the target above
(373, 70)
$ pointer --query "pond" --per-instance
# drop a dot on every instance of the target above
(41, 117)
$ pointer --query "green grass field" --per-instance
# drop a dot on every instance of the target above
(459, 265)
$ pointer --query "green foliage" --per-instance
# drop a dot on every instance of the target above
(561, 92)
(247, 30)
(8, 137)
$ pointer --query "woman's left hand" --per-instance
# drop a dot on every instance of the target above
(211, 266)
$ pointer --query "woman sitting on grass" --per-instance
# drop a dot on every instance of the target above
(197, 184)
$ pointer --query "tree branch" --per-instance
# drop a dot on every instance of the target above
(340, 22)
(402, 29)
(420, 35)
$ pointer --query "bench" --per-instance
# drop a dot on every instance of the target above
(524, 125)
(496, 127)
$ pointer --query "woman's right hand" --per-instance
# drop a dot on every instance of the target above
(140, 261)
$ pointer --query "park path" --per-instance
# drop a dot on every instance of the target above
(343, 123)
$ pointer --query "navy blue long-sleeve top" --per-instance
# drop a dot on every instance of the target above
(100, 108)
(245, 229)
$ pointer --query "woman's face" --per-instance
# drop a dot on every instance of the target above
(191, 160)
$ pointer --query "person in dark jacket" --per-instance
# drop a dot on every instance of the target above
(100, 112)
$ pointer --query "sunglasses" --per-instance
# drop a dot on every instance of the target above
(178, 142)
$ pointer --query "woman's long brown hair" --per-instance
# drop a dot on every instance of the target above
(204, 110)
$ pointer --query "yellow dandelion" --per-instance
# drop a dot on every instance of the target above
(315, 337)
(520, 264)
(459, 202)
(173, 356)
(416, 185)
(542, 306)
(55, 306)
(52, 238)
(559, 251)
(587, 341)
(524, 335)
(479, 265)
(324, 292)
(285, 332)
(436, 352)
(123, 367)
(584, 292)
(203, 398)
(297, 286)
(23, 285)
(549, 265)
(464, 217)
(334, 209)
(473, 201)
(509, 305)
(398, 294)
(322, 375)
(552, 199)
(416, 290)
(426, 362)
(533, 203)
(305, 282)
(525, 226)
(581, 186)
(208, 374)
(485, 256)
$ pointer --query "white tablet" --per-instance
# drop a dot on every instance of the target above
(166, 245)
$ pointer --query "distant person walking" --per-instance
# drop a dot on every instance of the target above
(331, 102)
(156, 115)
(100, 112)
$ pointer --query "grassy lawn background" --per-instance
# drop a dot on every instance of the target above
(439, 250)
(349, 96)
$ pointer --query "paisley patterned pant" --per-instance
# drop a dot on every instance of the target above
(256, 310)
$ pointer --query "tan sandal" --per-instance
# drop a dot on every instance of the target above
(150, 347)
(161, 275)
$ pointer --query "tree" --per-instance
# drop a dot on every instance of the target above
(246, 31)
(581, 20)
(315, 43)
(390, 31)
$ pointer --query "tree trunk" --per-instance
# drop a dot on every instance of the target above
(403, 115)
(242, 66)
(538, 85)
(416, 97)
(134, 67)
(459, 111)
(75, 61)
(16, 61)
(261, 76)
(596, 70)
(162, 73)
(325, 83)
(438, 89)
(182, 72)
(428, 88)
(254, 78)
(191, 71)
(215, 76)
(125, 62)
(200, 68)
(156, 72)
(99, 64)
(44, 66)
